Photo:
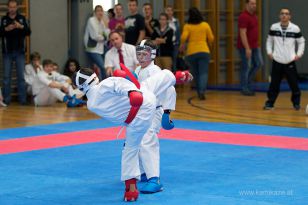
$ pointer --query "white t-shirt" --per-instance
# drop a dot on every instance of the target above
(129, 56)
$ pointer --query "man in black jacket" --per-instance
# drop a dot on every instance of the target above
(13, 30)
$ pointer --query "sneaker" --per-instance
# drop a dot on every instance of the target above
(268, 106)
(296, 107)
(248, 93)
(152, 186)
(201, 96)
(2, 104)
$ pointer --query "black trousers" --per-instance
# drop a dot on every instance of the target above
(278, 72)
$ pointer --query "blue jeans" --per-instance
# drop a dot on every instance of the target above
(249, 67)
(19, 59)
(98, 59)
(199, 65)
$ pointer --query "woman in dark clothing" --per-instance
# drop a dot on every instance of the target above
(163, 37)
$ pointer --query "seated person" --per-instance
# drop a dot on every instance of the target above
(32, 69)
(71, 67)
(50, 86)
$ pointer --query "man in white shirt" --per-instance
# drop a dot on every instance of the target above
(281, 44)
(113, 57)
(50, 86)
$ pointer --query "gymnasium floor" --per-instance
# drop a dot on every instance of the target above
(202, 161)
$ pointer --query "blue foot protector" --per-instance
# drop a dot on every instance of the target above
(75, 102)
(152, 186)
(143, 178)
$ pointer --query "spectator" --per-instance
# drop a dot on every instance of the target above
(118, 22)
(111, 15)
(199, 36)
(134, 24)
(55, 67)
(248, 46)
(281, 44)
(163, 35)
(120, 52)
(13, 30)
(95, 35)
(50, 86)
(175, 25)
(149, 21)
(32, 69)
(71, 67)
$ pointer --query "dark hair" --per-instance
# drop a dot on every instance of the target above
(133, 1)
(113, 32)
(67, 71)
(118, 4)
(85, 71)
(150, 43)
(194, 16)
(110, 11)
(12, 1)
(147, 4)
(285, 8)
(35, 55)
(163, 14)
(47, 62)
(169, 6)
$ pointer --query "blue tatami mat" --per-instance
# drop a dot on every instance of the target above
(192, 173)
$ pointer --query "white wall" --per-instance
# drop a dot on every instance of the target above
(49, 25)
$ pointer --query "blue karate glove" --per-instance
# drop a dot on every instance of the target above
(166, 123)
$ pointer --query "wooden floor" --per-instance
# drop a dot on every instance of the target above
(220, 106)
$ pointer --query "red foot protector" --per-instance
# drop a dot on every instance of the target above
(131, 195)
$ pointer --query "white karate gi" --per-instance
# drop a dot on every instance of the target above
(45, 95)
(109, 99)
(149, 154)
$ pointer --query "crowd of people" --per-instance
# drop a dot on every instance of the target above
(111, 39)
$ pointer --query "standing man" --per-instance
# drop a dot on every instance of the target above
(248, 46)
(175, 25)
(281, 49)
(120, 53)
(150, 22)
(13, 30)
(134, 24)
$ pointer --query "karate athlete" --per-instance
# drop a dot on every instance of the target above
(149, 155)
(128, 103)
(50, 86)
